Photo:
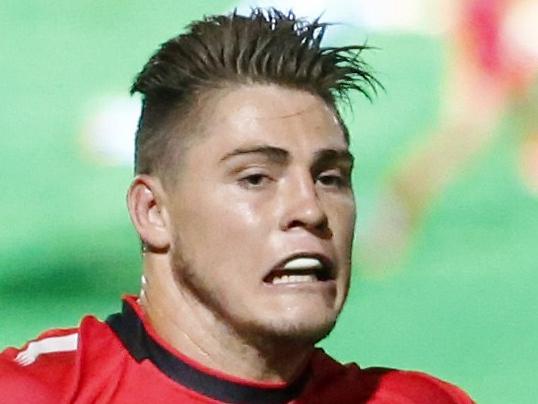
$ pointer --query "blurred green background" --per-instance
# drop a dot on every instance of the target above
(463, 306)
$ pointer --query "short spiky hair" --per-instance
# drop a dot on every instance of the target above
(265, 47)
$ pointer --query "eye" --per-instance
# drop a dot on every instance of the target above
(256, 180)
(333, 179)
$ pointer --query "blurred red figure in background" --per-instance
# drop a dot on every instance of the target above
(491, 73)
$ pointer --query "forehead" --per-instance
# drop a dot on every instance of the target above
(270, 114)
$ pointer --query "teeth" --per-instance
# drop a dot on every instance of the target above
(303, 263)
(296, 267)
(294, 279)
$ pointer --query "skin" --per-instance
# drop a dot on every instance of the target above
(266, 179)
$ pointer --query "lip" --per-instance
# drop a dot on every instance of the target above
(327, 273)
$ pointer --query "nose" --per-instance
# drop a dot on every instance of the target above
(302, 208)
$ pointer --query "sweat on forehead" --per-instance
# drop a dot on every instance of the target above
(254, 113)
(269, 107)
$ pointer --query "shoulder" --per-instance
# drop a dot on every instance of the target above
(384, 385)
(419, 387)
(47, 368)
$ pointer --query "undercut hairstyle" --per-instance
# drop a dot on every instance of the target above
(226, 51)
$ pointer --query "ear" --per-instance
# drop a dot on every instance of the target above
(148, 213)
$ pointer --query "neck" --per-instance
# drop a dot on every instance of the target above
(189, 327)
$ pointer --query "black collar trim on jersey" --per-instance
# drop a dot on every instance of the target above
(130, 330)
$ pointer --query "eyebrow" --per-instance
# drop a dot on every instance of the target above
(274, 154)
(343, 156)
(281, 156)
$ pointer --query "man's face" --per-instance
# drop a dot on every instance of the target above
(263, 213)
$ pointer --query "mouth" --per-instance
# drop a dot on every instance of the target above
(301, 268)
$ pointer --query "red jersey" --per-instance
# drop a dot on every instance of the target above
(123, 360)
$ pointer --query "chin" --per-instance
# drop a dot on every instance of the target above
(298, 325)
(310, 335)
(296, 333)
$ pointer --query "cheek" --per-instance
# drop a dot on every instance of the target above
(244, 212)
(344, 219)
(223, 232)
(351, 222)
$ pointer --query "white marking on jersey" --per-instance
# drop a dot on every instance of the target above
(64, 343)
